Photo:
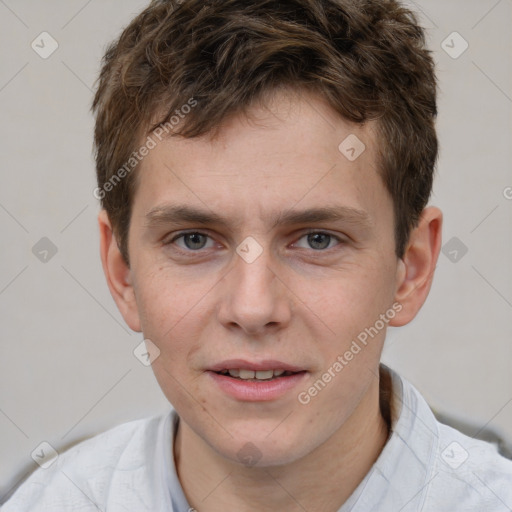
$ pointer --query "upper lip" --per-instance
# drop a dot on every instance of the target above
(267, 364)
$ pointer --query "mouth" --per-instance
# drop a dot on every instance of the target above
(256, 381)
(255, 375)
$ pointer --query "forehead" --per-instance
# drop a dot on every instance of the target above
(294, 150)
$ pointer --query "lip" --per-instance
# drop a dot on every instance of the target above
(256, 391)
(267, 364)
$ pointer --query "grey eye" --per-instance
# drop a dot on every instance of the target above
(192, 241)
(319, 240)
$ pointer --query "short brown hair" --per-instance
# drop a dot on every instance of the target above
(367, 58)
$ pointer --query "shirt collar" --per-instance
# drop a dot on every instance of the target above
(178, 499)
(399, 478)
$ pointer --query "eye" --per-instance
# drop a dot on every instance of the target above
(318, 240)
(191, 241)
(194, 241)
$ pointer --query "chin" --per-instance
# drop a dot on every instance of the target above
(262, 450)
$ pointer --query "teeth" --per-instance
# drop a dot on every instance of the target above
(247, 374)
(264, 374)
(251, 374)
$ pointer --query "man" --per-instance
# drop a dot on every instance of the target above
(264, 170)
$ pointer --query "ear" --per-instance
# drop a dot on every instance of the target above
(416, 272)
(117, 273)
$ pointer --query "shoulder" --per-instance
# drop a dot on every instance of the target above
(80, 478)
(471, 472)
(433, 467)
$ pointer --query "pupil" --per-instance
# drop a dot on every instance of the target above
(195, 240)
(315, 240)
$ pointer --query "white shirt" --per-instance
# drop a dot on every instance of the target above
(425, 466)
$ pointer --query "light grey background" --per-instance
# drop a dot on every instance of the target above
(67, 369)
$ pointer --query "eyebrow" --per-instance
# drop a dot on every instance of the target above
(179, 213)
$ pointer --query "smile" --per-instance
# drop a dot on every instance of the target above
(260, 381)
(254, 375)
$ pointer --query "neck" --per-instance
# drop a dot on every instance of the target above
(321, 481)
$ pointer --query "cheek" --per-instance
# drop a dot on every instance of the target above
(350, 299)
(171, 307)
(165, 298)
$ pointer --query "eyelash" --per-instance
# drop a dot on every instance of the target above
(198, 251)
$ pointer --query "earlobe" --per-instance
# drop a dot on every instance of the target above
(117, 273)
(416, 269)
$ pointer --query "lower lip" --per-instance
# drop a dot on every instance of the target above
(253, 391)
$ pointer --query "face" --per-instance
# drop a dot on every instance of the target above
(264, 250)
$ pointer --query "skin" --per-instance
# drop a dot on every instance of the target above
(296, 302)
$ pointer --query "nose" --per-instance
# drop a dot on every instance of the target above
(253, 296)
